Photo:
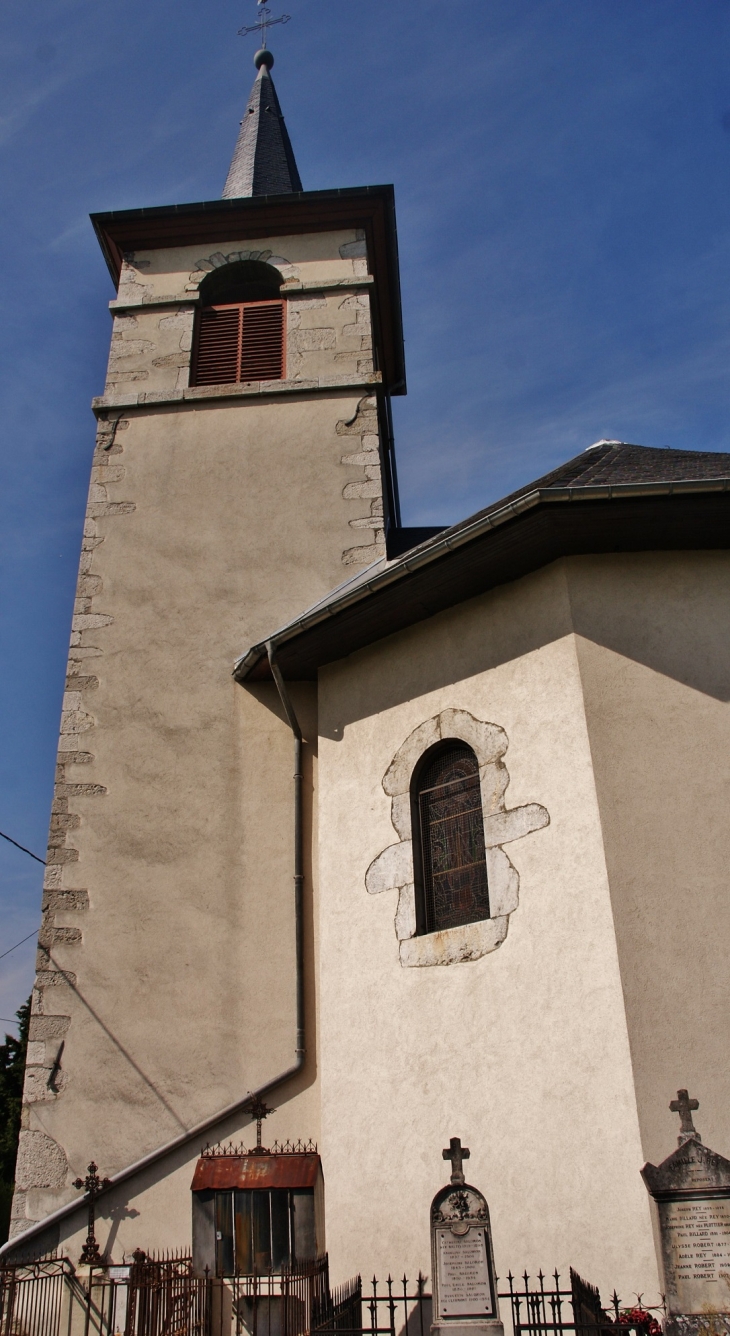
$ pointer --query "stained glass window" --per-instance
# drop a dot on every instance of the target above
(453, 856)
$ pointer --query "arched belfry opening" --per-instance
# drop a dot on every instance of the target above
(240, 326)
(242, 281)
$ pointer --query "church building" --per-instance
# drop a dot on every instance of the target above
(365, 837)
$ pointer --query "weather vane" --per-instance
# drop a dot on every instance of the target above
(263, 22)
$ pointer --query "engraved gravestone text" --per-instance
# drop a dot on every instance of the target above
(696, 1237)
(464, 1286)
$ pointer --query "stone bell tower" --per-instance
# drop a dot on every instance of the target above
(243, 468)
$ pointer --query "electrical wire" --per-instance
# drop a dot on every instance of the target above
(17, 944)
(22, 848)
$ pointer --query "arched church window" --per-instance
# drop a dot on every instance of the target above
(449, 854)
(240, 328)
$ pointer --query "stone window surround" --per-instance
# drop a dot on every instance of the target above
(353, 251)
(293, 289)
(393, 868)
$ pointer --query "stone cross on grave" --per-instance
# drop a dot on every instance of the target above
(93, 1187)
(456, 1153)
(685, 1107)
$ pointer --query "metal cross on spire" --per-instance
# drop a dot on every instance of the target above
(685, 1107)
(263, 22)
(456, 1153)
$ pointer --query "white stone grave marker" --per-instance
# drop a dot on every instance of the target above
(464, 1290)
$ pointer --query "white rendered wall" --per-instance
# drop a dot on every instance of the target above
(523, 1053)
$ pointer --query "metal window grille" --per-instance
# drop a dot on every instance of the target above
(255, 1230)
(239, 343)
(452, 840)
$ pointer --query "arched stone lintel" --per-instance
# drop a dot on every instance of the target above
(393, 868)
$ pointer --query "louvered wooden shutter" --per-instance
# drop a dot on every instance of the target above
(218, 346)
(239, 343)
(262, 344)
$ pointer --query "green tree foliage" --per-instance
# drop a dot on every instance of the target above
(12, 1069)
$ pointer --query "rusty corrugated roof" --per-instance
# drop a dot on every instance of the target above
(223, 1172)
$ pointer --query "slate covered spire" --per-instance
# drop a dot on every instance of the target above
(263, 160)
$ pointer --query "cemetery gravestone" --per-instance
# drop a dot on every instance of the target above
(462, 1260)
(692, 1191)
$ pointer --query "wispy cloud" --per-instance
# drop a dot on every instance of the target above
(13, 122)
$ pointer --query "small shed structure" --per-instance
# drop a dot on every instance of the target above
(257, 1211)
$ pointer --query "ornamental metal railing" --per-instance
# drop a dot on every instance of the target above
(162, 1297)
(32, 1297)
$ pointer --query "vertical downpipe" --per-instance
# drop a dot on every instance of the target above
(298, 841)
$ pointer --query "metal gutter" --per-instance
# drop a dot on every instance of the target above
(242, 204)
(450, 541)
(298, 840)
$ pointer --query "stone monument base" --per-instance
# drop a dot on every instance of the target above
(486, 1326)
(697, 1324)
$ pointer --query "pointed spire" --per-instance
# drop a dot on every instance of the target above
(263, 160)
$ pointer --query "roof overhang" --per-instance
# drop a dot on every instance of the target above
(213, 222)
(255, 1172)
(501, 545)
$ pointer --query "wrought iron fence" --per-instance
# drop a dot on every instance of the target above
(31, 1297)
(391, 1308)
(544, 1311)
(162, 1297)
(287, 1303)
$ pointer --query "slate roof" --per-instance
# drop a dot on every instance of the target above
(618, 462)
(614, 497)
(263, 160)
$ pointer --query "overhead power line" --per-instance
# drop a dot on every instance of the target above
(17, 944)
(23, 850)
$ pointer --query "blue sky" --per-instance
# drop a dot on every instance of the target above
(561, 171)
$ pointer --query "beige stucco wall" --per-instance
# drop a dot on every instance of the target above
(653, 645)
(166, 962)
(523, 1053)
(618, 663)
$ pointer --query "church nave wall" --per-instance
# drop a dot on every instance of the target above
(653, 644)
(522, 1052)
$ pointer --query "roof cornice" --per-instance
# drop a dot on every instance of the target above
(634, 530)
(371, 208)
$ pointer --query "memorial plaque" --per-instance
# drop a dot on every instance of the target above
(464, 1282)
(464, 1293)
(692, 1192)
(696, 1240)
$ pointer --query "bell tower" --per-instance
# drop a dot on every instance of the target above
(243, 468)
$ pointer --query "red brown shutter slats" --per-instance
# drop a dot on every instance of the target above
(218, 350)
(239, 343)
(262, 345)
